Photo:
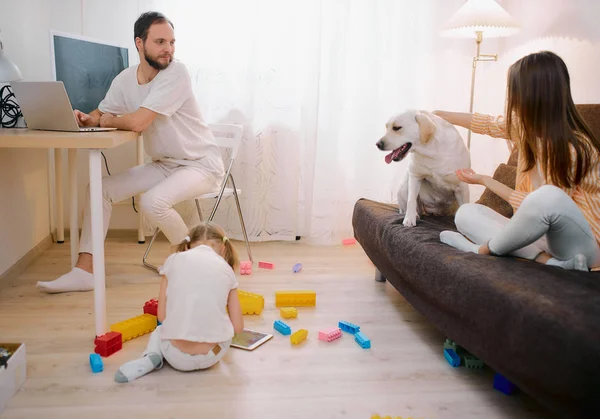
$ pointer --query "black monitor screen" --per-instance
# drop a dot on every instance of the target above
(87, 69)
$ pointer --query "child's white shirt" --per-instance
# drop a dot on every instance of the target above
(199, 282)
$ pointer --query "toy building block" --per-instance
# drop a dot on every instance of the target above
(503, 385)
(471, 361)
(349, 241)
(151, 307)
(297, 268)
(266, 265)
(299, 336)
(450, 344)
(330, 334)
(282, 328)
(362, 340)
(245, 267)
(349, 327)
(295, 298)
(108, 344)
(158, 323)
(251, 303)
(136, 326)
(288, 312)
(452, 358)
(96, 363)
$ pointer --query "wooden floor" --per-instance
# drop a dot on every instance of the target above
(403, 374)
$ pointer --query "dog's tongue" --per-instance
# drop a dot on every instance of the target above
(392, 156)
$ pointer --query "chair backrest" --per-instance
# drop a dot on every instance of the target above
(228, 137)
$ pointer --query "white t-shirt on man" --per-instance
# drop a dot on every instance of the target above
(178, 133)
(199, 282)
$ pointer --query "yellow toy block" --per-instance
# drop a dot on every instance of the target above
(288, 312)
(251, 303)
(136, 326)
(295, 298)
(298, 336)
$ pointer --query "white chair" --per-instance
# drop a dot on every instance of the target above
(228, 138)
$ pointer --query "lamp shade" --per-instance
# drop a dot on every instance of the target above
(485, 16)
(8, 70)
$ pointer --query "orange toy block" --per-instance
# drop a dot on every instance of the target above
(288, 312)
(136, 326)
(348, 242)
(299, 336)
(295, 298)
(251, 303)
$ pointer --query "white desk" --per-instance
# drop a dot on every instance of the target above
(73, 141)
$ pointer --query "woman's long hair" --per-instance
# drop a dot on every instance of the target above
(541, 109)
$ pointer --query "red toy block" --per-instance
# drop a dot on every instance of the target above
(151, 307)
(350, 241)
(108, 344)
(245, 267)
(266, 265)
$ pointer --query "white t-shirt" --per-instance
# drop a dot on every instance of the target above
(178, 133)
(199, 282)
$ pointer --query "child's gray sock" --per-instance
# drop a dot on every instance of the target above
(577, 263)
(458, 241)
(133, 370)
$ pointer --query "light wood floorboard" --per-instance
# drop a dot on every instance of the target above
(404, 374)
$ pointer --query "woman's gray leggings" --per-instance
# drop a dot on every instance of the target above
(547, 220)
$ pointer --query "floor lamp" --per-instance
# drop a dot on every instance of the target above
(475, 19)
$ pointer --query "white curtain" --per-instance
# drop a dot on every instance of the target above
(313, 82)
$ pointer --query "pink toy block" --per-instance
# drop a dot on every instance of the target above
(330, 334)
(266, 265)
(245, 267)
(347, 242)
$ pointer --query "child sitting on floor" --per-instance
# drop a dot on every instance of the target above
(198, 306)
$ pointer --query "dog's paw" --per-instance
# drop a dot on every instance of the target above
(410, 220)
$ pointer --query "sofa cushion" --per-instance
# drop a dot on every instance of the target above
(506, 175)
(538, 325)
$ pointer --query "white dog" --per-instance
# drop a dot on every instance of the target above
(436, 151)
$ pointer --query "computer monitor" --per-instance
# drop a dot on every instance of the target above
(86, 67)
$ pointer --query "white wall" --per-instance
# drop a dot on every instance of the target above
(567, 27)
(25, 27)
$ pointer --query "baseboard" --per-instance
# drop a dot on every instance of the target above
(125, 233)
(21, 265)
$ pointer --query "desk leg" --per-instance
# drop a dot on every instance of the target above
(58, 185)
(97, 241)
(73, 206)
(140, 161)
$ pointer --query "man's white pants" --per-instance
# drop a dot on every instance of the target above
(164, 183)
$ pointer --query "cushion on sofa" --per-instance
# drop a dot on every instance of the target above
(506, 175)
(538, 325)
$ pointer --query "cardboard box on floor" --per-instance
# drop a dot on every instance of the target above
(13, 375)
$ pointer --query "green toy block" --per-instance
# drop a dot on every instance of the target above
(471, 361)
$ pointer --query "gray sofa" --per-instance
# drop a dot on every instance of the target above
(537, 325)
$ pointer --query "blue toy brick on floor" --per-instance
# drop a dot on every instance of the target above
(362, 340)
(452, 358)
(503, 385)
(282, 328)
(96, 363)
(348, 327)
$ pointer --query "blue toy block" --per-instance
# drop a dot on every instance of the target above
(282, 328)
(96, 363)
(451, 357)
(158, 323)
(362, 340)
(503, 385)
(349, 327)
(297, 268)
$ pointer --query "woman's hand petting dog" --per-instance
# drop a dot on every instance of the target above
(469, 176)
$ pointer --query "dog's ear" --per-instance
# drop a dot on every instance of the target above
(426, 127)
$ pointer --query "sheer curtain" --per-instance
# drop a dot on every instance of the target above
(313, 83)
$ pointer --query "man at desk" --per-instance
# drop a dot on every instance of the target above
(154, 98)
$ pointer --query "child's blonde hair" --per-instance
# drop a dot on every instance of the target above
(211, 234)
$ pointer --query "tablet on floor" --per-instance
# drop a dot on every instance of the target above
(249, 339)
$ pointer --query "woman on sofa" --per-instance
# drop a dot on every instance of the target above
(556, 203)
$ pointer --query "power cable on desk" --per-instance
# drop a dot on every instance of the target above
(108, 171)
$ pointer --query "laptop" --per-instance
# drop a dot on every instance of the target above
(46, 106)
